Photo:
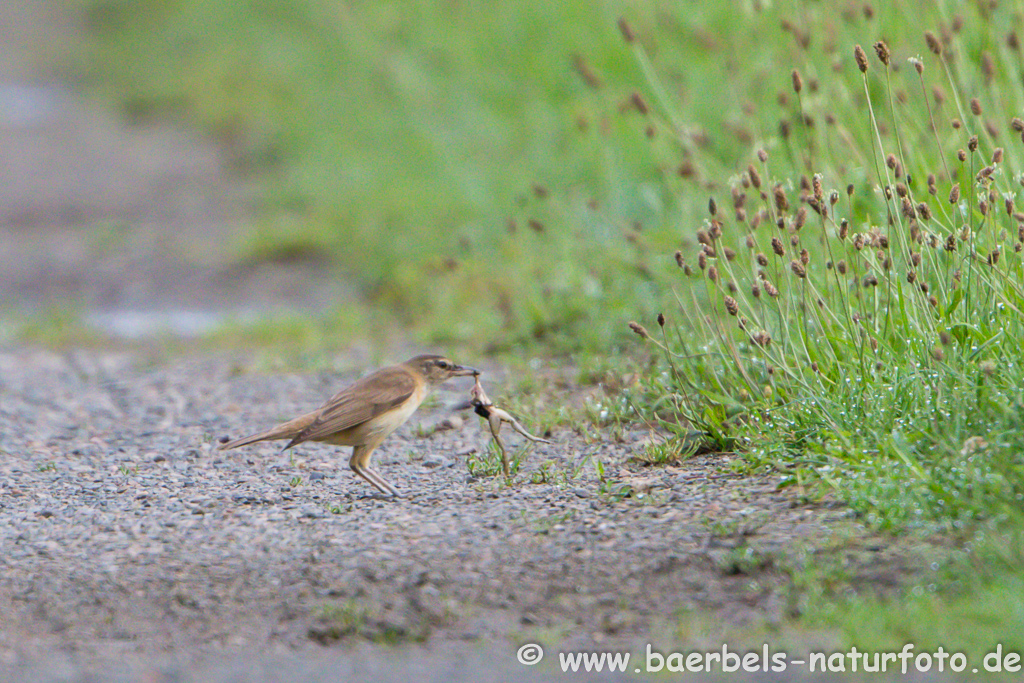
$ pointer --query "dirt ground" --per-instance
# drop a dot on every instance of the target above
(133, 550)
(135, 225)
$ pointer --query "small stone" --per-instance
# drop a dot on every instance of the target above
(436, 461)
(471, 633)
(311, 512)
(450, 423)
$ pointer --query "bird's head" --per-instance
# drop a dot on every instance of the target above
(437, 369)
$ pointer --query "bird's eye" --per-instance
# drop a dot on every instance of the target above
(443, 364)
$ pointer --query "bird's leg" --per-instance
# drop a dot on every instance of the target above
(360, 464)
(374, 477)
(362, 473)
(376, 481)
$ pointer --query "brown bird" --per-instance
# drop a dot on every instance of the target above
(364, 414)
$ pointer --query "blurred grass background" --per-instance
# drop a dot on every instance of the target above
(482, 170)
(415, 143)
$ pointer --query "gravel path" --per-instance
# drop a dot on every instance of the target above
(127, 537)
(138, 228)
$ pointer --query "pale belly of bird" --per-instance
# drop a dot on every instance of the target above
(377, 429)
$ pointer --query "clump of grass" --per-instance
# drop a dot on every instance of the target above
(678, 448)
(488, 462)
(858, 325)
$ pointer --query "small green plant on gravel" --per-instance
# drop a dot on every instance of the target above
(671, 451)
(858, 324)
(544, 474)
(613, 490)
(545, 524)
(610, 412)
(295, 481)
(719, 529)
(337, 620)
(483, 464)
(488, 462)
(46, 467)
(599, 470)
(744, 559)
(575, 473)
(551, 472)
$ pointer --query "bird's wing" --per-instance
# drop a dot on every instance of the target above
(364, 400)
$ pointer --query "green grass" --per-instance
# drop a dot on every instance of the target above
(852, 306)
(59, 326)
(858, 326)
(962, 596)
(965, 602)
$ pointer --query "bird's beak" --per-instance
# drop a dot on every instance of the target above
(464, 371)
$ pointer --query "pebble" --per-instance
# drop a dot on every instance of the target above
(434, 461)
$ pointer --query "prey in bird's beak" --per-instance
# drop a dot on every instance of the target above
(483, 407)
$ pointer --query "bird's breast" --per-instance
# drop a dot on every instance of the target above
(389, 421)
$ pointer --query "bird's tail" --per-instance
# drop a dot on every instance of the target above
(287, 430)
